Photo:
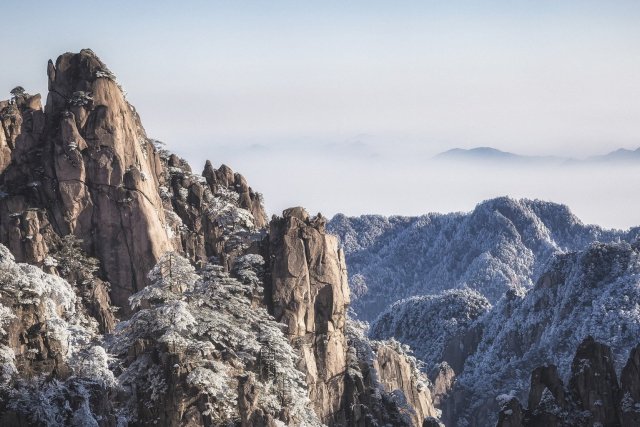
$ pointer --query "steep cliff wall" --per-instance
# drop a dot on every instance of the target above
(309, 294)
(87, 170)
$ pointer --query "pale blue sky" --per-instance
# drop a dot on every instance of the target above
(269, 84)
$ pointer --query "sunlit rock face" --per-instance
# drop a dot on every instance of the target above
(309, 294)
(87, 169)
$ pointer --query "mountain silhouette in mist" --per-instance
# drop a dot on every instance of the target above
(493, 155)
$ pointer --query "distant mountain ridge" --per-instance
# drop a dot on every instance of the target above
(493, 155)
(502, 244)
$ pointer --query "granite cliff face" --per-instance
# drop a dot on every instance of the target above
(84, 166)
(236, 323)
(87, 169)
(309, 294)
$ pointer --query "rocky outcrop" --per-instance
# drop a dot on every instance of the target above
(443, 380)
(397, 374)
(374, 396)
(22, 124)
(594, 384)
(205, 220)
(48, 345)
(224, 179)
(545, 378)
(251, 414)
(310, 295)
(592, 398)
(85, 167)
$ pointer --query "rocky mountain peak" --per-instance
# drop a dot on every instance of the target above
(91, 172)
(85, 167)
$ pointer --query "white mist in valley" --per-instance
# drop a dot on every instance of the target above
(357, 179)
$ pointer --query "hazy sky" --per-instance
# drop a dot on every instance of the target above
(338, 105)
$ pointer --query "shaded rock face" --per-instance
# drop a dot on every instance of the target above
(459, 347)
(630, 389)
(594, 384)
(443, 381)
(593, 396)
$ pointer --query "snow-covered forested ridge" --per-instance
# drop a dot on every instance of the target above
(426, 323)
(594, 292)
(502, 244)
